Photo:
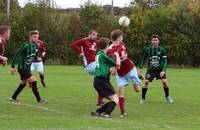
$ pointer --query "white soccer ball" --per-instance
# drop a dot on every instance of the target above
(124, 21)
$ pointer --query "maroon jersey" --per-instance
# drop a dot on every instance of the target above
(126, 64)
(2, 47)
(41, 50)
(88, 47)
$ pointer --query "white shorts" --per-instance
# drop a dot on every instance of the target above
(90, 68)
(38, 66)
(133, 75)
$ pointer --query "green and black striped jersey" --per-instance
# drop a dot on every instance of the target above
(157, 58)
(25, 55)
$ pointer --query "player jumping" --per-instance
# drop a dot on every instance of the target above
(87, 49)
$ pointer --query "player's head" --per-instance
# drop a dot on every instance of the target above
(33, 36)
(104, 43)
(37, 33)
(117, 35)
(93, 34)
(155, 40)
(5, 32)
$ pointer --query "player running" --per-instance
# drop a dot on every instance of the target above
(102, 81)
(157, 65)
(127, 70)
(4, 36)
(87, 49)
(24, 57)
(38, 63)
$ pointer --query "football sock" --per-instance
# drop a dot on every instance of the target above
(42, 77)
(166, 90)
(103, 108)
(121, 104)
(35, 90)
(18, 90)
(110, 107)
(100, 99)
(144, 91)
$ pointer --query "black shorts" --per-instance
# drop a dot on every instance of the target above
(151, 74)
(25, 74)
(103, 87)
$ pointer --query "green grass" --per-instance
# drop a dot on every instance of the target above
(71, 98)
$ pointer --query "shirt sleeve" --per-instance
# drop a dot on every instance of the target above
(144, 58)
(77, 44)
(164, 58)
(110, 61)
(17, 55)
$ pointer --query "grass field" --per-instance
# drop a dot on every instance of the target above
(71, 98)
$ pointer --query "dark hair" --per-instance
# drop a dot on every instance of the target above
(115, 34)
(4, 29)
(33, 32)
(155, 36)
(92, 31)
(103, 43)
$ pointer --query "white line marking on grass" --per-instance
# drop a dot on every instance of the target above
(38, 107)
(170, 127)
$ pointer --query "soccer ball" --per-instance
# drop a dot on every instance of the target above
(124, 21)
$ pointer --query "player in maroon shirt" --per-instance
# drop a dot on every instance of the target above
(127, 70)
(86, 48)
(38, 63)
(4, 36)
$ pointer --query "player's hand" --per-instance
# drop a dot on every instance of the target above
(13, 71)
(4, 59)
(4, 63)
(140, 74)
(81, 55)
(162, 74)
(43, 54)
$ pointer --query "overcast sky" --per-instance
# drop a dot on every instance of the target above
(76, 3)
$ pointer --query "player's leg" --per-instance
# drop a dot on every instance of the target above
(135, 79)
(121, 82)
(40, 70)
(144, 91)
(105, 91)
(18, 90)
(91, 70)
(150, 75)
(35, 90)
(166, 91)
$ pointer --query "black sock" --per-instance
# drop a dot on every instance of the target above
(110, 107)
(144, 91)
(35, 90)
(166, 90)
(103, 108)
(18, 90)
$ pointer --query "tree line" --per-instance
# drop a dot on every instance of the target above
(176, 22)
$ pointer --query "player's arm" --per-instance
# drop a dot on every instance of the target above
(16, 58)
(112, 61)
(76, 46)
(142, 64)
(42, 49)
(164, 58)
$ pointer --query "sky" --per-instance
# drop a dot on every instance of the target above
(77, 3)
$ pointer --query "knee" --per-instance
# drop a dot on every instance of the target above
(137, 88)
(165, 84)
(121, 91)
(146, 83)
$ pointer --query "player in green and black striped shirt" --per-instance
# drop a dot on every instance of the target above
(157, 64)
(23, 58)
